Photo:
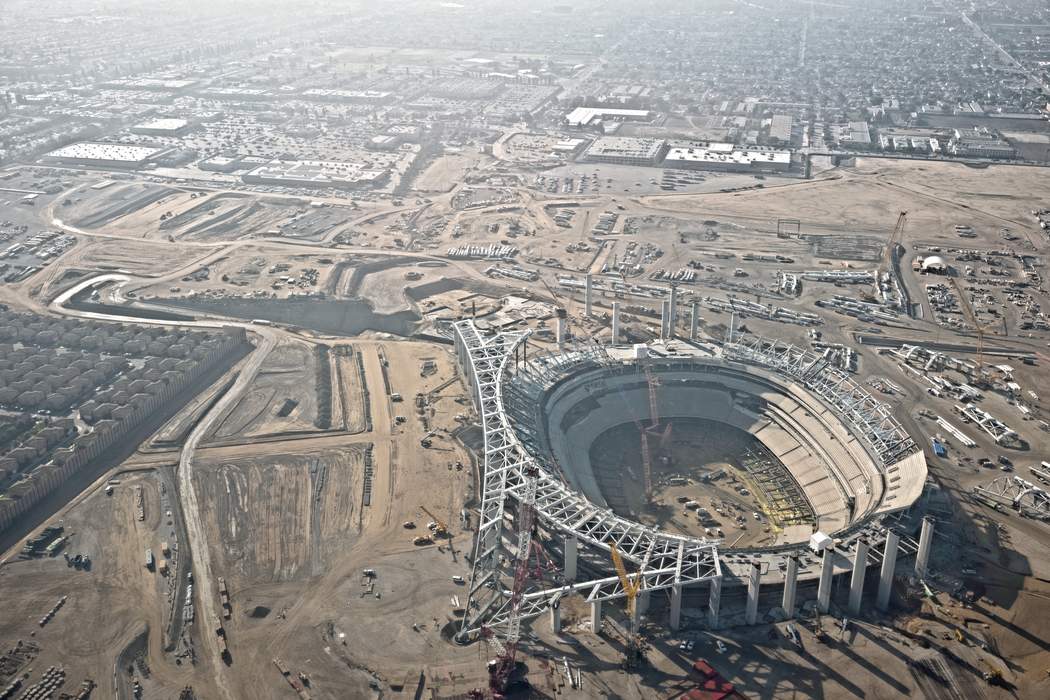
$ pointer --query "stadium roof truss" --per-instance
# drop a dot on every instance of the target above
(870, 417)
(510, 473)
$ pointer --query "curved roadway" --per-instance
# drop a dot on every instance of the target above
(207, 591)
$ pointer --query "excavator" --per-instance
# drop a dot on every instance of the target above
(634, 651)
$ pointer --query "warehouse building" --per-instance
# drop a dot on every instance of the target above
(318, 174)
(980, 143)
(625, 151)
(727, 157)
(162, 127)
(592, 116)
(104, 155)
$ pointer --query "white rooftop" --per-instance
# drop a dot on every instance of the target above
(726, 153)
(89, 150)
(582, 116)
(164, 124)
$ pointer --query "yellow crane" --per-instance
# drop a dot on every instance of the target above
(967, 307)
(633, 649)
(440, 528)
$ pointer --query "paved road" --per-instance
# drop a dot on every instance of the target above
(206, 587)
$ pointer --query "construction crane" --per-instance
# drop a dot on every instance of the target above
(887, 254)
(971, 316)
(633, 652)
(501, 668)
(440, 528)
(652, 383)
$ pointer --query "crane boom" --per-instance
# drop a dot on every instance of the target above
(442, 528)
(971, 316)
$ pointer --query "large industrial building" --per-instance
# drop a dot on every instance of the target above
(838, 466)
(592, 116)
(162, 127)
(620, 150)
(318, 174)
(104, 155)
(727, 157)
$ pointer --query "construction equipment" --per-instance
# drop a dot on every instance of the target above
(440, 529)
(886, 262)
(501, 668)
(634, 653)
(653, 429)
(971, 316)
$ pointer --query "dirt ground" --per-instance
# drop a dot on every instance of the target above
(108, 605)
(283, 399)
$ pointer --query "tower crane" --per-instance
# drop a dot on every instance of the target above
(968, 311)
(633, 652)
(887, 254)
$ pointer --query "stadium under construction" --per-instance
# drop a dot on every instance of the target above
(834, 475)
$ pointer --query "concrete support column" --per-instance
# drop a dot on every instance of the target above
(827, 569)
(754, 581)
(665, 320)
(856, 583)
(641, 602)
(571, 549)
(556, 619)
(676, 606)
(588, 294)
(615, 323)
(560, 327)
(596, 616)
(790, 586)
(673, 317)
(889, 563)
(922, 557)
(714, 599)
(694, 322)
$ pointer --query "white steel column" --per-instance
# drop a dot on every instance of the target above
(790, 586)
(673, 316)
(754, 580)
(889, 563)
(827, 569)
(676, 606)
(856, 584)
(571, 550)
(596, 616)
(922, 557)
(714, 599)
(588, 293)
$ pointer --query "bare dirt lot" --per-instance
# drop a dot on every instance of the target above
(283, 398)
(282, 517)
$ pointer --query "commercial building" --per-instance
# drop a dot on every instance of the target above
(591, 116)
(162, 127)
(855, 135)
(626, 151)
(104, 155)
(318, 174)
(980, 143)
(727, 157)
(362, 97)
(780, 129)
